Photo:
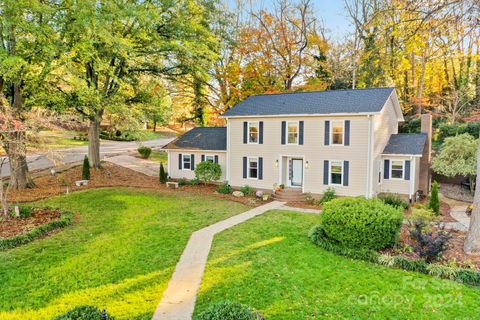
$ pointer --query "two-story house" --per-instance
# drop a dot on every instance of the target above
(345, 139)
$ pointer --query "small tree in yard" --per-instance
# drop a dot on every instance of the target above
(434, 203)
(457, 157)
(208, 171)
(163, 175)
(86, 169)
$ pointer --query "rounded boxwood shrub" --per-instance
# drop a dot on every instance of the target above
(145, 152)
(361, 223)
(227, 310)
(83, 313)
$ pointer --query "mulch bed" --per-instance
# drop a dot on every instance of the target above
(111, 175)
(303, 205)
(10, 227)
(453, 254)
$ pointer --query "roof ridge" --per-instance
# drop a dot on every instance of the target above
(317, 91)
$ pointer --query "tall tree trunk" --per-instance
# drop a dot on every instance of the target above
(94, 142)
(472, 243)
(19, 177)
(421, 83)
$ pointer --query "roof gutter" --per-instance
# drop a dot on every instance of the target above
(401, 155)
(346, 114)
(192, 150)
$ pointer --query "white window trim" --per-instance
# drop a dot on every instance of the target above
(298, 133)
(258, 132)
(183, 162)
(210, 155)
(248, 168)
(403, 169)
(343, 133)
(330, 173)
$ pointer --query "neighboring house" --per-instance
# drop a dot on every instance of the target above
(345, 139)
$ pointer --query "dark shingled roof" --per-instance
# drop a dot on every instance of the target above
(212, 138)
(313, 102)
(406, 143)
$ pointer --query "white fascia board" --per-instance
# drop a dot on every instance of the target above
(348, 114)
(194, 150)
(390, 155)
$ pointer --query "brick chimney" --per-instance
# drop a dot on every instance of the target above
(425, 179)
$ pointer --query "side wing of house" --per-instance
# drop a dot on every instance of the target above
(195, 146)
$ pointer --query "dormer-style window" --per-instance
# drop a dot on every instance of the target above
(253, 132)
(337, 133)
(292, 132)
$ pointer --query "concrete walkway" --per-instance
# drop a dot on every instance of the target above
(303, 210)
(178, 301)
(147, 167)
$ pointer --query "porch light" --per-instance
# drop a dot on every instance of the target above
(276, 163)
(306, 164)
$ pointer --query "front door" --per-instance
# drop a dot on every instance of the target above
(296, 172)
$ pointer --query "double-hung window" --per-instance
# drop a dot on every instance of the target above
(337, 133)
(292, 130)
(397, 169)
(336, 172)
(187, 162)
(210, 158)
(253, 168)
(253, 132)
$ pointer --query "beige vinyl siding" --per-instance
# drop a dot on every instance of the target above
(313, 151)
(401, 186)
(385, 124)
(176, 173)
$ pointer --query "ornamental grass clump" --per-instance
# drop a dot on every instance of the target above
(361, 223)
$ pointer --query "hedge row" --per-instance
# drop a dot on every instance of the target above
(9, 243)
(465, 276)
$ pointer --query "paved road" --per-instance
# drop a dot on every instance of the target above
(47, 160)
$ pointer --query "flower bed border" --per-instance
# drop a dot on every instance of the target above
(461, 275)
(66, 219)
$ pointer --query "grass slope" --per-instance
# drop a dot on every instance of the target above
(119, 255)
(269, 264)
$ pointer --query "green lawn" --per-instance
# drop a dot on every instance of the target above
(160, 157)
(269, 264)
(119, 254)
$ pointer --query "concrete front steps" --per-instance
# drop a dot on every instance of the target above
(287, 195)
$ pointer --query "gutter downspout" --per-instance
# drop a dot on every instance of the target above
(169, 164)
(227, 160)
(412, 181)
(368, 193)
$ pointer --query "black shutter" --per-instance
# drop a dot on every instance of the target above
(325, 172)
(203, 157)
(300, 135)
(407, 170)
(180, 163)
(327, 133)
(284, 129)
(260, 132)
(347, 133)
(386, 169)
(245, 132)
(260, 168)
(216, 159)
(192, 162)
(346, 167)
(244, 167)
